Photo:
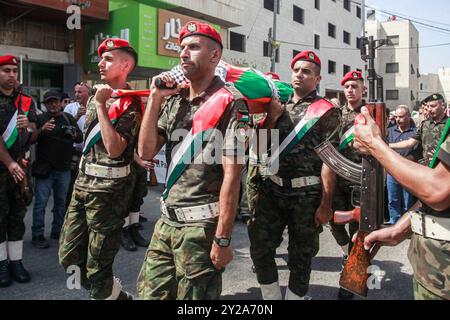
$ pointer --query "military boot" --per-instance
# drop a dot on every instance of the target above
(136, 236)
(127, 240)
(124, 295)
(5, 279)
(18, 272)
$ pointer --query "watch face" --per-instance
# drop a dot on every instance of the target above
(222, 242)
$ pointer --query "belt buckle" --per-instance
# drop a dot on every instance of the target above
(109, 173)
(180, 214)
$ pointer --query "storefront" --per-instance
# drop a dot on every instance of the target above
(152, 31)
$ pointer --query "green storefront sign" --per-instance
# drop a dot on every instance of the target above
(139, 24)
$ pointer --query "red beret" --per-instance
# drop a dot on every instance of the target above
(273, 75)
(195, 28)
(306, 56)
(8, 60)
(352, 75)
(112, 44)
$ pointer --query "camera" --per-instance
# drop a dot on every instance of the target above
(67, 131)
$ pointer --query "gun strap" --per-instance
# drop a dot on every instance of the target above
(433, 162)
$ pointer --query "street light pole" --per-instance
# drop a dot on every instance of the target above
(274, 35)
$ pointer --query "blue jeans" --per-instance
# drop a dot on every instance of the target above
(59, 182)
(399, 199)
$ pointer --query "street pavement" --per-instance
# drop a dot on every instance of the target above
(49, 281)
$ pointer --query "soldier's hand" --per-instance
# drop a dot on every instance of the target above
(221, 256)
(49, 125)
(16, 171)
(22, 122)
(323, 215)
(102, 94)
(366, 132)
(274, 108)
(81, 111)
(169, 81)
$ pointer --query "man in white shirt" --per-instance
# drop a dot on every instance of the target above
(77, 109)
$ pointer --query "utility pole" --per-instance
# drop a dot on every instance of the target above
(273, 37)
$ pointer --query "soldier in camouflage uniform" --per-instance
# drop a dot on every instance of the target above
(429, 131)
(91, 235)
(131, 238)
(190, 245)
(353, 84)
(299, 195)
(429, 250)
(12, 205)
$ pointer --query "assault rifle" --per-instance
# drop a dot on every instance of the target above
(369, 176)
(26, 192)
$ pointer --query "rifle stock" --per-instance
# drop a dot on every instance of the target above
(354, 276)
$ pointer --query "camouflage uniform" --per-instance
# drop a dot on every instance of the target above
(343, 190)
(91, 233)
(430, 258)
(12, 206)
(428, 134)
(274, 207)
(177, 264)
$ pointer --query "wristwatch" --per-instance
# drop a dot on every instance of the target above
(222, 242)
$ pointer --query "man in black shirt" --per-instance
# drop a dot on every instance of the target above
(57, 133)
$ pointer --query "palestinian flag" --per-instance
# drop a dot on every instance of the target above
(315, 111)
(12, 133)
(347, 138)
(257, 88)
(204, 122)
(93, 134)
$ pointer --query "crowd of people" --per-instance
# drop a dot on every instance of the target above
(94, 155)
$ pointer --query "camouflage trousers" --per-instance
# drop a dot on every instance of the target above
(138, 187)
(430, 260)
(342, 202)
(177, 265)
(91, 238)
(273, 211)
(12, 209)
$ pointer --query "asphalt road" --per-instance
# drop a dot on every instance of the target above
(239, 282)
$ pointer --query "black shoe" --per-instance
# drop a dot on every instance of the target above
(344, 294)
(127, 241)
(18, 272)
(5, 279)
(142, 218)
(123, 295)
(55, 236)
(137, 238)
(40, 242)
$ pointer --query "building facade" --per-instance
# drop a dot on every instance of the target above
(51, 53)
(398, 61)
(435, 83)
(330, 28)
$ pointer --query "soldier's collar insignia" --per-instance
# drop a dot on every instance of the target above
(311, 56)
(192, 27)
(110, 44)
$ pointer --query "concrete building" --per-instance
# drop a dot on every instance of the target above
(435, 83)
(397, 62)
(51, 53)
(330, 28)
